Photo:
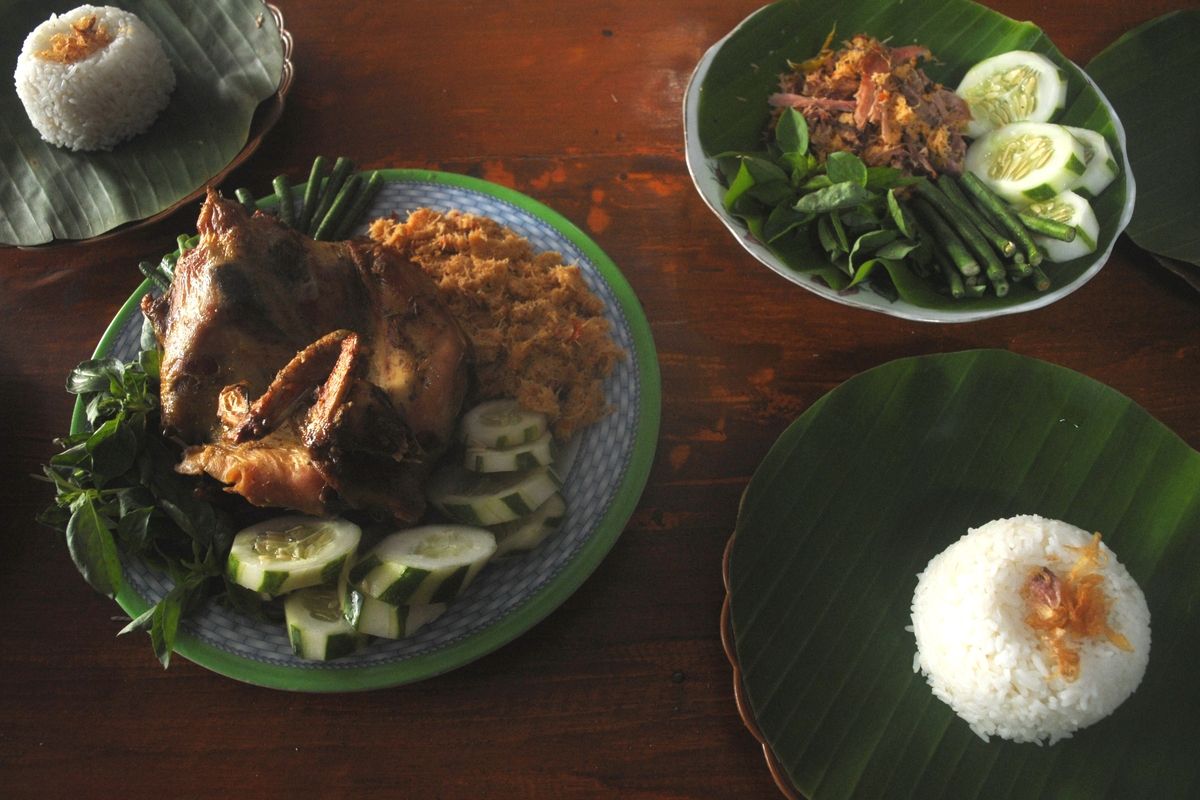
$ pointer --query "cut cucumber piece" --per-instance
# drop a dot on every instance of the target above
(1069, 209)
(315, 624)
(501, 423)
(479, 498)
(429, 564)
(1101, 169)
(1027, 161)
(538, 453)
(528, 532)
(377, 618)
(293, 552)
(1017, 86)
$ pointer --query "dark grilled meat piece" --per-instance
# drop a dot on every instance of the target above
(310, 375)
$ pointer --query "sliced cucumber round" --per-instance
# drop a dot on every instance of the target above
(1016, 86)
(316, 627)
(501, 423)
(429, 564)
(1027, 161)
(1069, 209)
(479, 498)
(528, 532)
(293, 552)
(377, 618)
(538, 453)
(1101, 167)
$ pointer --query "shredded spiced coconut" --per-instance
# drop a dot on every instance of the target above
(876, 102)
(539, 333)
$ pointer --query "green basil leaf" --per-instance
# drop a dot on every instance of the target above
(742, 181)
(880, 178)
(113, 447)
(791, 132)
(900, 215)
(92, 547)
(896, 250)
(870, 242)
(782, 220)
(826, 236)
(164, 625)
(844, 167)
(135, 530)
(839, 230)
(833, 198)
(97, 375)
(816, 182)
(865, 269)
(771, 194)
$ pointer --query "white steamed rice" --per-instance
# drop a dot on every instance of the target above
(979, 655)
(98, 101)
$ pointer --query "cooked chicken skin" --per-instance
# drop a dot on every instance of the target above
(286, 360)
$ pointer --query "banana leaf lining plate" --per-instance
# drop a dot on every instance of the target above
(233, 68)
(883, 473)
(608, 468)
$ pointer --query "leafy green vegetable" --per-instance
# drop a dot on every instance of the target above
(115, 488)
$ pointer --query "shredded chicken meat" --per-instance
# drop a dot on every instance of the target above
(875, 101)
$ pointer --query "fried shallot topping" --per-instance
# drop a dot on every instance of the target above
(875, 101)
(86, 37)
(1067, 611)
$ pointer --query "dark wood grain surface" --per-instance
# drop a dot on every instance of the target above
(624, 691)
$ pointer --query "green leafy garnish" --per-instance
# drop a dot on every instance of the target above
(116, 491)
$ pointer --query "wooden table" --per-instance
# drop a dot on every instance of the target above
(624, 691)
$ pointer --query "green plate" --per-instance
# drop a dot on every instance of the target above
(605, 470)
(228, 57)
(883, 473)
(726, 109)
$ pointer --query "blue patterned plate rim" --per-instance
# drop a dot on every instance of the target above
(433, 655)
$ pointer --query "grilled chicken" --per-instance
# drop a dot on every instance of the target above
(309, 375)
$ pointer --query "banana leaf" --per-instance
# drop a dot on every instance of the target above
(1147, 75)
(733, 110)
(227, 56)
(879, 476)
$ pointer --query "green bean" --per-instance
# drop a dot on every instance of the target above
(287, 209)
(361, 204)
(337, 210)
(341, 171)
(246, 199)
(312, 194)
(1047, 227)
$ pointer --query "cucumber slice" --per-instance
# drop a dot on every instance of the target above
(501, 423)
(1102, 168)
(1069, 209)
(429, 564)
(315, 624)
(528, 532)
(377, 618)
(538, 453)
(1027, 161)
(478, 498)
(1017, 86)
(293, 552)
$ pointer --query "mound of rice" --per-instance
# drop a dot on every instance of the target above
(89, 84)
(979, 654)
